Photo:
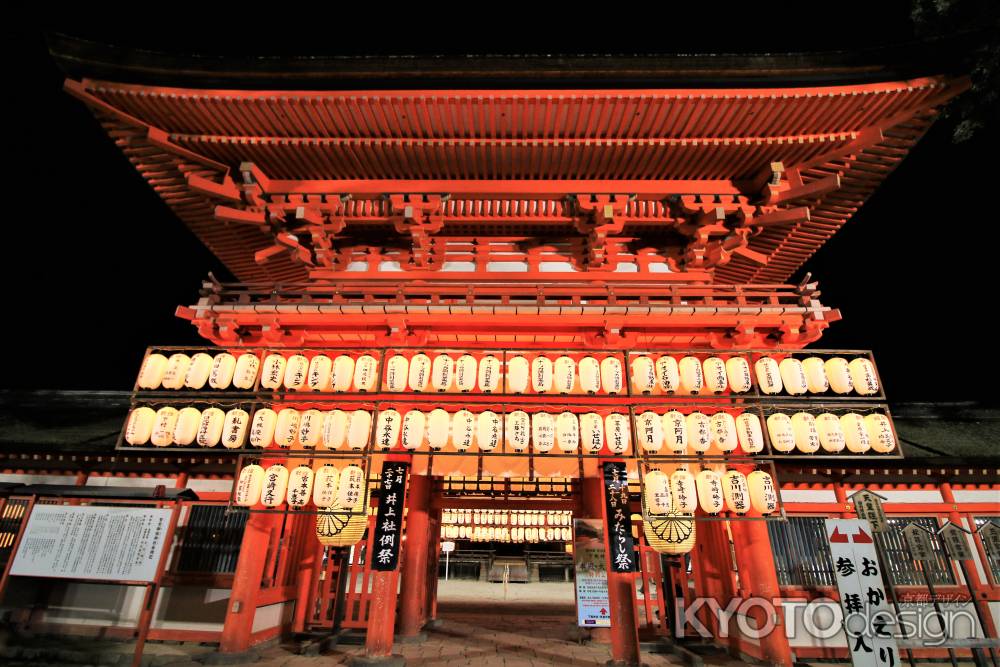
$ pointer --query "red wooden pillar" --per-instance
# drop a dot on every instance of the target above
(413, 593)
(309, 558)
(433, 561)
(755, 561)
(238, 625)
(713, 578)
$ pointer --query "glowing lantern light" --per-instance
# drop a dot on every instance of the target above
(806, 434)
(186, 429)
(643, 375)
(779, 428)
(831, 435)
(463, 430)
(763, 495)
(210, 428)
(723, 428)
(880, 432)
(300, 484)
(816, 380)
(200, 368)
(675, 434)
(750, 433)
(262, 428)
(736, 492)
(489, 374)
(487, 431)
(838, 373)
(245, 371)
(668, 374)
(518, 374)
(343, 373)
(616, 427)
(465, 372)
(351, 490)
(684, 491)
(359, 430)
(275, 486)
(296, 372)
(564, 374)
(649, 431)
(543, 432)
(590, 374)
(692, 375)
(793, 376)
(163, 427)
(738, 374)
(365, 372)
(318, 376)
(140, 426)
(656, 492)
(223, 371)
(612, 375)
(249, 485)
(541, 374)
(863, 375)
(517, 430)
(286, 428)
(699, 431)
(768, 375)
(672, 534)
(274, 371)
(591, 432)
(855, 433)
(442, 372)
(151, 373)
(710, 495)
(311, 428)
(715, 374)
(177, 367)
(438, 427)
(420, 372)
(567, 432)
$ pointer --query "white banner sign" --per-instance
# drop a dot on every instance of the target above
(84, 542)
(868, 619)
(592, 607)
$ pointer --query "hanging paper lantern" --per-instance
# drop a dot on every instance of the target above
(768, 375)
(656, 492)
(336, 528)
(779, 428)
(414, 430)
(518, 374)
(567, 535)
(831, 435)
(816, 380)
(275, 486)
(863, 376)
(487, 431)
(616, 427)
(177, 367)
(880, 432)
(675, 433)
(249, 485)
(541, 374)
(590, 375)
(715, 374)
(164, 425)
(300, 483)
(710, 496)
(273, 372)
(223, 371)
(335, 425)
(699, 430)
(420, 372)
(736, 492)
(649, 431)
(749, 433)
(465, 373)
(442, 372)
(591, 432)
(351, 490)
(738, 374)
(684, 491)
(543, 432)
(668, 374)
(855, 433)
(564, 374)
(387, 429)
(140, 426)
(723, 428)
(286, 429)
(325, 484)
(793, 376)
(489, 374)
(517, 430)
(311, 428)
(358, 430)
(643, 375)
(806, 435)
(245, 371)
(838, 373)
(343, 373)
(438, 427)
(463, 429)
(210, 428)
(186, 429)
(199, 369)
(692, 375)
(365, 372)
(612, 375)
(567, 432)
(151, 373)
(296, 371)
(672, 534)
(320, 369)
(763, 495)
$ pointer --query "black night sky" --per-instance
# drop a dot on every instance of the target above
(94, 263)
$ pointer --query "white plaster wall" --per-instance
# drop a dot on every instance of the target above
(37, 479)
(808, 496)
(210, 485)
(141, 482)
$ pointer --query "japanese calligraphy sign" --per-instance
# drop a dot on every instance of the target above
(990, 535)
(868, 506)
(919, 542)
(621, 545)
(868, 619)
(955, 542)
(389, 518)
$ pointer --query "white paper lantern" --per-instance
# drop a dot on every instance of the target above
(617, 430)
(649, 431)
(518, 374)
(699, 431)
(816, 380)
(590, 374)
(855, 433)
(300, 484)
(749, 433)
(863, 376)
(489, 374)
(273, 372)
(715, 375)
(275, 486)
(692, 375)
(213, 421)
(723, 427)
(793, 376)
(222, 372)
(567, 432)
(351, 489)
(296, 372)
(199, 369)
(643, 375)
(286, 429)
(487, 431)
(591, 432)
(140, 426)
(442, 372)
(343, 373)
(657, 493)
(517, 430)
(880, 432)
(736, 492)
(262, 428)
(438, 428)
(668, 374)
(164, 425)
(420, 372)
(738, 374)
(838, 373)
(763, 495)
(768, 375)
(831, 435)
(541, 374)
(543, 432)
(177, 367)
(463, 430)
(151, 373)
(684, 491)
(675, 433)
(365, 372)
(564, 374)
(249, 485)
(612, 375)
(245, 372)
(359, 430)
(806, 434)
(781, 432)
(186, 429)
(311, 428)
(710, 495)
(320, 370)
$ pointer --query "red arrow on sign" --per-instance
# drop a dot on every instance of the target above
(861, 537)
(838, 536)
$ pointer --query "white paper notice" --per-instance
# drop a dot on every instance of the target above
(82, 542)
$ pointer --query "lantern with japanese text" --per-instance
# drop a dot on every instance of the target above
(442, 372)
(318, 375)
(589, 369)
(692, 375)
(463, 430)
(213, 420)
(245, 371)
(768, 375)
(715, 374)
(151, 373)
(675, 432)
(466, 373)
(815, 371)
(413, 432)
(617, 433)
(838, 374)
(249, 485)
(567, 432)
(668, 374)
(749, 432)
(564, 374)
(684, 491)
(517, 431)
(779, 429)
(643, 375)
(186, 429)
(880, 432)
(541, 374)
(342, 375)
(296, 372)
(649, 431)
(543, 432)
(286, 428)
(793, 376)
(489, 374)
(763, 494)
(710, 496)
(863, 376)
(420, 372)
(310, 428)
(855, 433)
(591, 432)
(359, 429)
(738, 374)
(831, 434)
(723, 429)
(199, 369)
(177, 367)
(736, 492)
(300, 483)
(806, 435)
(487, 430)
(273, 372)
(140, 424)
(164, 425)
(275, 486)
(325, 483)
(699, 431)
(335, 425)
(365, 372)
(234, 431)
(656, 494)
(223, 371)
(612, 375)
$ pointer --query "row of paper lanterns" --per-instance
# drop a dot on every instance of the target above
(508, 517)
(682, 492)
(689, 375)
(324, 486)
(513, 534)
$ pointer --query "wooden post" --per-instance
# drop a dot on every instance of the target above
(153, 588)
(238, 625)
(413, 593)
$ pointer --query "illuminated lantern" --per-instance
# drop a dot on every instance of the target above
(300, 484)
(793, 376)
(151, 373)
(351, 490)
(616, 427)
(223, 371)
(656, 492)
(715, 374)
(318, 376)
(564, 374)
(880, 432)
(736, 492)
(675, 434)
(140, 426)
(723, 428)
(311, 428)
(489, 374)
(763, 495)
(177, 367)
(806, 435)
(487, 431)
(591, 432)
(275, 486)
(668, 374)
(198, 371)
(442, 372)
(684, 491)
(862, 374)
(262, 429)
(567, 535)
(699, 430)
(768, 375)
(612, 375)
(465, 372)
(749, 433)
(779, 428)
(643, 375)
(838, 373)
(517, 430)
(738, 374)
(286, 428)
(649, 431)
(210, 429)
(672, 534)
(296, 371)
(273, 372)
(541, 374)
(710, 495)
(359, 430)
(855, 433)
(186, 430)
(249, 485)
(343, 373)
(692, 375)
(463, 430)
(567, 432)
(518, 374)
(590, 375)
(420, 372)
(245, 371)
(816, 380)
(831, 435)
(365, 372)
(438, 427)
(543, 432)
(164, 425)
